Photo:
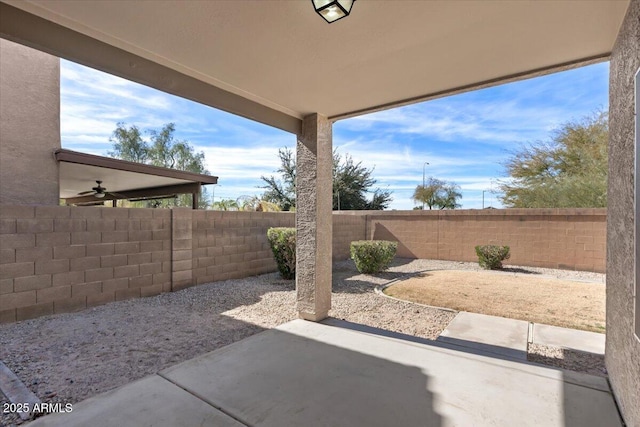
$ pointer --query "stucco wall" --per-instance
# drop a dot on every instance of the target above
(622, 347)
(29, 125)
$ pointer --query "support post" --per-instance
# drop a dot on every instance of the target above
(314, 222)
(181, 248)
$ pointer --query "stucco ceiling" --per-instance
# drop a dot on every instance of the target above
(282, 55)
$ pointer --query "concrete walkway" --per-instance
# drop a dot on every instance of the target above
(342, 374)
(509, 337)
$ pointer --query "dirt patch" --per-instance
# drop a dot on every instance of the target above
(551, 301)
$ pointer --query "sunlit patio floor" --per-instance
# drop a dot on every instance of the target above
(340, 374)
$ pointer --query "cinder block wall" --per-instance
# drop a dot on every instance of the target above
(348, 226)
(231, 245)
(573, 239)
(57, 259)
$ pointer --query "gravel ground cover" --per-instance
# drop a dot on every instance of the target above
(567, 359)
(70, 357)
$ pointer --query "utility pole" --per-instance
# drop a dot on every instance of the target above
(423, 179)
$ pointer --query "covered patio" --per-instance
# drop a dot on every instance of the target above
(125, 180)
(280, 64)
(335, 373)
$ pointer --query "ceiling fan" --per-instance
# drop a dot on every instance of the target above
(99, 192)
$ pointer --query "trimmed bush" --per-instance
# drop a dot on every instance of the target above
(490, 257)
(283, 246)
(373, 256)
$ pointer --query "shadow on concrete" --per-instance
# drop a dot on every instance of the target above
(470, 347)
(286, 379)
(580, 393)
(278, 378)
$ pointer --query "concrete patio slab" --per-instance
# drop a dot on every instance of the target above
(151, 401)
(312, 374)
(304, 373)
(491, 334)
(572, 339)
(16, 391)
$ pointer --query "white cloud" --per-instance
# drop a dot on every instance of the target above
(85, 82)
(464, 138)
(241, 162)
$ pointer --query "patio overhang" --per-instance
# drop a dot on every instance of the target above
(208, 51)
(311, 74)
(128, 180)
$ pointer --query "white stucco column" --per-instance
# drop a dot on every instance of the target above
(314, 183)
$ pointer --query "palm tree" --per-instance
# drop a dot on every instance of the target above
(225, 205)
(253, 203)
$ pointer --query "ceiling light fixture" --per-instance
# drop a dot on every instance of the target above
(332, 10)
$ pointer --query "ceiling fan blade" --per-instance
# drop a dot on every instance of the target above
(86, 192)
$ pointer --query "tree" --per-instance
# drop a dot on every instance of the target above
(351, 183)
(438, 193)
(162, 149)
(569, 170)
(282, 191)
(225, 205)
(253, 203)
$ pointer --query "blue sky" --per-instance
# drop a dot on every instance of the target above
(464, 138)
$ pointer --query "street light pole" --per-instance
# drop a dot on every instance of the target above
(483, 199)
(423, 179)
(213, 193)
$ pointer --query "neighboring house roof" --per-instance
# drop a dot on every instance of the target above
(80, 171)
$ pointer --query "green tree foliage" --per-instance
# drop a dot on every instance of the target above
(568, 171)
(161, 149)
(352, 182)
(438, 194)
(225, 205)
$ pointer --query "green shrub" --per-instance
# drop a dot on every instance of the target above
(283, 246)
(490, 257)
(373, 256)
